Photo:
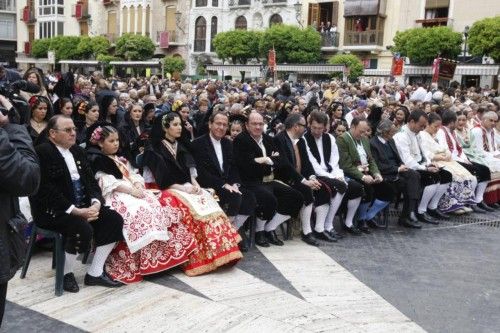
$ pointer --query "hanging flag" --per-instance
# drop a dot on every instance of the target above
(435, 69)
(397, 65)
(271, 60)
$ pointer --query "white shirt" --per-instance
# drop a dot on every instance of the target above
(441, 138)
(218, 151)
(321, 169)
(419, 95)
(408, 145)
(69, 159)
(477, 133)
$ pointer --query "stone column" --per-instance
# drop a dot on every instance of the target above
(143, 22)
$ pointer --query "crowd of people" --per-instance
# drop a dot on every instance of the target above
(169, 172)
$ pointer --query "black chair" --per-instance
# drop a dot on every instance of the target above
(57, 254)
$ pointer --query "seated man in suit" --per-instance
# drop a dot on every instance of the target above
(395, 173)
(257, 159)
(358, 163)
(213, 154)
(324, 156)
(70, 202)
(300, 176)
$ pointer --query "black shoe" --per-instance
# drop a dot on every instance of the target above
(309, 239)
(495, 205)
(273, 238)
(485, 207)
(335, 234)
(325, 235)
(409, 223)
(353, 231)
(413, 217)
(437, 214)
(362, 226)
(426, 218)
(478, 209)
(261, 239)
(372, 224)
(69, 283)
(243, 245)
(104, 280)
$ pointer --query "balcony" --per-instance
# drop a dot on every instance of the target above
(434, 22)
(167, 38)
(28, 15)
(240, 3)
(274, 2)
(330, 39)
(364, 38)
(80, 11)
(108, 2)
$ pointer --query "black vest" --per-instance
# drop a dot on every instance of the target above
(327, 148)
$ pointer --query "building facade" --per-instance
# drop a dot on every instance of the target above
(209, 17)
(8, 31)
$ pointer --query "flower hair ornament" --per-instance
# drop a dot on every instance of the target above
(96, 135)
(177, 105)
(32, 101)
(81, 107)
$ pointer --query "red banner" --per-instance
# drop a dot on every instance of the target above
(397, 66)
(271, 60)
(435, 70)
(164, 39)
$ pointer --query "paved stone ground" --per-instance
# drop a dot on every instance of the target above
(442, 278)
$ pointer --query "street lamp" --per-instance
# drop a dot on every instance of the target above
(298, 12)
(466, 35)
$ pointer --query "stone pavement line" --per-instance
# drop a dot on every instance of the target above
(326, 284)
(142, 307)
(238, 289)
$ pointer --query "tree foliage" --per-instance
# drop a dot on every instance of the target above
(422, 45)
(134, 47)
(91, 47)
(174, 64)
(484, 38)
(292, 44)
(40, 48)
(351, 61)
(238, 46)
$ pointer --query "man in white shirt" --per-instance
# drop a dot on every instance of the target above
(70, 202)
(434, 181)
(447, 138)
(324, 156)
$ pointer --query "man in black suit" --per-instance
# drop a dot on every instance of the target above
(395, 172)
(213, 154)
(70, 202)
(257, 159)
(300, 176)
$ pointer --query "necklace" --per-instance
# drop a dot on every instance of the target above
(38, 126)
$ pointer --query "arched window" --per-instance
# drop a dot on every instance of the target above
(213, 32)
(275, 19)
(200, 34)
(240, 23)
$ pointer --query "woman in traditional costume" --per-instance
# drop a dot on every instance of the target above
(155, 237)
(170, 167)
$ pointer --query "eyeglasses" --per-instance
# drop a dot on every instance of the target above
(68, 130)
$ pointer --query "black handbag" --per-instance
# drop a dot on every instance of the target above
(16, 241)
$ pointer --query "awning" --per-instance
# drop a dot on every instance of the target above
(148, 63)
(361, 7)
(376, 72)
(310, 69)
(33, 61)
(80, 62)
(234, 68)
(460, 70)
